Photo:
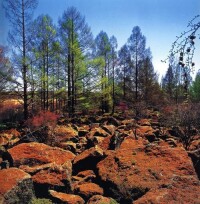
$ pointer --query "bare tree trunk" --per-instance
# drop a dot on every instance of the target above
(69, 81)
(113, 88)
(47, 77)
(124, 86)
(25, 98)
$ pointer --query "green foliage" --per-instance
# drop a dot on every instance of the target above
(40, 201)
(112, 201)
(195, 88)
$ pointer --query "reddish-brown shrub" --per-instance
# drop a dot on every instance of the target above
(42, 119)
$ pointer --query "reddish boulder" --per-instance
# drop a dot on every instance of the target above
(98, 199)
(66, 198)
(16, 186)
(87, 190)
(86, 173)
(97, 132)
(105, 143)
(182, 189)
(109, 129)
(55, 175)
(65, 133)
(34, 153)
(144, 122)
(50, 166)
(138, 167)
(82, 131)
(142, 130)
(88, 159)
(83, 177)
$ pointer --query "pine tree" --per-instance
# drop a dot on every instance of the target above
(102, 49)
(137, 46)
(76, 40)
(124, 71)
(19, 13)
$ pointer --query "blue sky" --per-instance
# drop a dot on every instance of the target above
(160, 20)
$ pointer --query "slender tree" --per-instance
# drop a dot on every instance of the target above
(147, 77)
(113, 45)
(168, 82)
(102, 49)
(76, 40)
(6, 72)
(42, 42)
(124, 70)
(137, 46)
(19, 13)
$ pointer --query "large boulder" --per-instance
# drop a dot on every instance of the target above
(181, 189)
(60, 197)
(50, 167)
(34, 153)
(195, 156)
(16, 186)
(98, 199)
(55, 177)
(83, 177)
(64, 133)
(138, 167)
(87, 190)
(88, 159)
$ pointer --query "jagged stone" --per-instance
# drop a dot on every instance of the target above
(88, 159)
(137, 168)
(87, 190)
(66, 198)
(98, 199)
(37, 153)
(16, 186)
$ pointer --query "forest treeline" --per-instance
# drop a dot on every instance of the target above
(64, 67)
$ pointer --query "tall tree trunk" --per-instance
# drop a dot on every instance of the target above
(73, 72)
(44, 83)
(124, 85)
(113, 88)
(136, 78)
(25, 94)
(69, 81)
(47, 78)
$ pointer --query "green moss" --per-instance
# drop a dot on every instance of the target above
(40, 201)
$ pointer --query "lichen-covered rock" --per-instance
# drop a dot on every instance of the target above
(87, 190)
(83, 177)
(16, 186)
(37, 153)
(65, 133)
(88, 159)
(66, 198)
(98, 199)
(55, 177)
(50, 167)
(138, 167)
(109, 129)
(181, 189)
(99, 132)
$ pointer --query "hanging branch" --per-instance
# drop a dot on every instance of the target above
(184, 46)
